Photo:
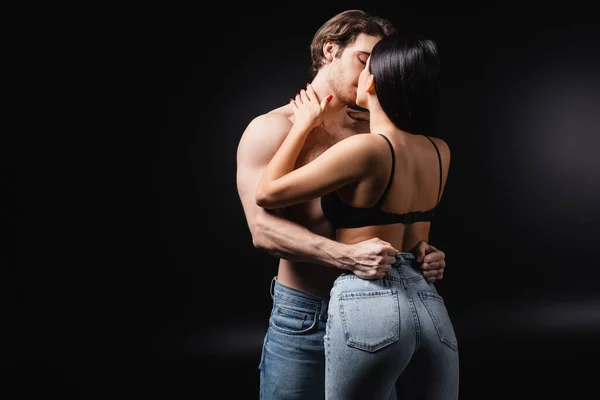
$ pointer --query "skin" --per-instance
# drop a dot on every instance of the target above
(299, 235)
(356, 169)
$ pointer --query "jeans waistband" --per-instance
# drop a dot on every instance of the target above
(299, 297)
(407, 266)
(407, 259)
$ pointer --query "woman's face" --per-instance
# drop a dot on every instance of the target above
(363, 82)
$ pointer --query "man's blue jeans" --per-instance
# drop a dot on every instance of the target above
(292, 364)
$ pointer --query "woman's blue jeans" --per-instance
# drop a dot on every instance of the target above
(380, 330)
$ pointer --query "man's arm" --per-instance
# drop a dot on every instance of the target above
(284, 238)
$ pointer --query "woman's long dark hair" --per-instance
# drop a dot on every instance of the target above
(405, 68)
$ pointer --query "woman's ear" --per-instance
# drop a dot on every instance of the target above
(329, 49)
(370, 84)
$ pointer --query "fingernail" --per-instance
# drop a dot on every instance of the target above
(329, 97)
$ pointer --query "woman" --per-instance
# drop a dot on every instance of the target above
(385, 184)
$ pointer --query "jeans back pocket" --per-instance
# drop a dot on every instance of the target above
(370, 319)
(441, 320)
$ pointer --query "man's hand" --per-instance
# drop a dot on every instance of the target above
(433, 261)
(358, 115)
(370, 259)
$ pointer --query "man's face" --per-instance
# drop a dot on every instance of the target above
(345, 69)
(363, 82)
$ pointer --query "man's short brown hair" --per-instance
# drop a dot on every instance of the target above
(342, 29)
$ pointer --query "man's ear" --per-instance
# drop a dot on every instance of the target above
(329, 49)
(370, 84)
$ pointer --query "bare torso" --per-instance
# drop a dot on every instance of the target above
(312, 278)
(412, 187)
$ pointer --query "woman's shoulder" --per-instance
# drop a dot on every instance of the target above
(365, 143)
(366, 138)
(443, 149)
(441, 144)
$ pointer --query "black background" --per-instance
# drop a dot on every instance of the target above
(131, 272)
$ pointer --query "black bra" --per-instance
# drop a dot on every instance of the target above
(343, 215)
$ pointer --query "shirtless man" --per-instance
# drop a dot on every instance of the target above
(293, 356)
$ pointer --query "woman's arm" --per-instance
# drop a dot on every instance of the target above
(347, 161)
(282, 237)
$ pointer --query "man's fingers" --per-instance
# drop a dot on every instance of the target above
(386, 247)
(390, 260)
(433, 254)
(420, 251)
(434, 266)
(432, 273)
(389, 250)
(441, 263)
(420, 255)
(437, 273)
(430, 248)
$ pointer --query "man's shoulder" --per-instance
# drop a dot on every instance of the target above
(265, 133)
(280, 116)
(275, 122)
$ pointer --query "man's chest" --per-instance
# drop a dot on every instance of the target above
(317, 142)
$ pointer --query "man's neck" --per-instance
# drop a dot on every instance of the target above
(335, 117)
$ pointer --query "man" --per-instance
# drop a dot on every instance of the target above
(293, 357)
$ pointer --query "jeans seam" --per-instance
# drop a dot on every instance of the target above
(413, 311)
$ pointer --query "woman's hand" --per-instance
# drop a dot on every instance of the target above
(307, 108)
(358, 115)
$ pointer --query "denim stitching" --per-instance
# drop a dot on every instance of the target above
(370, 294)
(413, 311)
(290, 332)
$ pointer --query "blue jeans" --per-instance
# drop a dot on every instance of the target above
(378, 331)
(292, 365)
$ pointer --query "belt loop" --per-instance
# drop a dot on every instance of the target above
(272, 287)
